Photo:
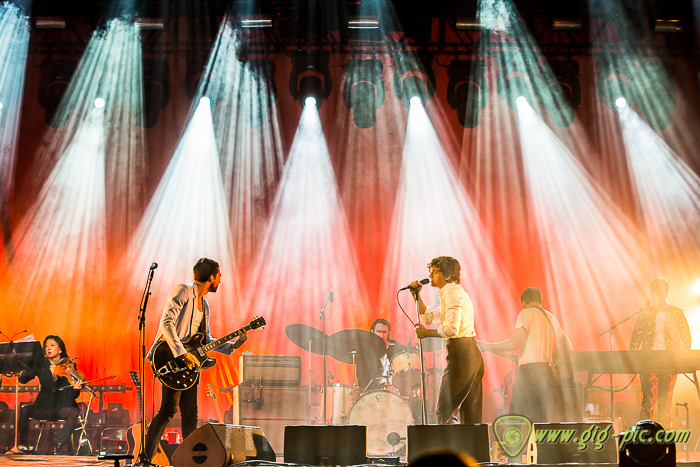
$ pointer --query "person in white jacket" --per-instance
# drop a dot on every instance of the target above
(185, 313)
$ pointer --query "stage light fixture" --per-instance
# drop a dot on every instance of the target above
(1, 105)
(205, 101)
(520, 101)
(149, 24)
(620, 102)
(560, 80)
(647, 449)
(612, 83)
(255, 21)
(310, 101)
(567, 24)
(668, 26)
(414, 77)
(155, 92)
(310, 77)
(363, 22)
(515, 80)
(99, 103)
(55, 80)
(469, 24)
(363, 90)
(196, 65)
(467, 90)
(50, 22)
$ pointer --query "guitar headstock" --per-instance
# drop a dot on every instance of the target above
(210, 391)
(257, 322)
(135, 378)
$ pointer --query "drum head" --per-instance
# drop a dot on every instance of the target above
(383, 413)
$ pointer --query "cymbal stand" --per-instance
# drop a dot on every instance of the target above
(322, 317)
(354, 368)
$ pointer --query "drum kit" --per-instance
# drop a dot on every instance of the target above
(386, 411)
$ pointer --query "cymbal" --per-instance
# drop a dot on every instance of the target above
(431, 344)
(301, 334)
(367, 345)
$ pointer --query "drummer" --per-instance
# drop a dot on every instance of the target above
(373, 374)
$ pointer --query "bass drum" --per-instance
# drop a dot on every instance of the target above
(383, 413)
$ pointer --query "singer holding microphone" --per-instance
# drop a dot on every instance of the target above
(659, 326)
(461, 392)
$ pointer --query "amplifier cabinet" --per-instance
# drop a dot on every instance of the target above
(273, 408)
(271, 370)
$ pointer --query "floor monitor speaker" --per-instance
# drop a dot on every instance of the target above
(472, 440)
(559, 443)
(325, 445)
(219, 445)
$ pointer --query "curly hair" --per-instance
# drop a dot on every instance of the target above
(449, 267)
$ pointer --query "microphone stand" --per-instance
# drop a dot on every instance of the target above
(423, 394)
(142, 363)
(322, 317)
(611, 331)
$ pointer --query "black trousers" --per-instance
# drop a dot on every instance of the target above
(69, 414)
(461, 393)
(170, 401)
(532, 391)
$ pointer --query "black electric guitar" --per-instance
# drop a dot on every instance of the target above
(175, 374)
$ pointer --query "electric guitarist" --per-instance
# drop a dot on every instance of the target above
(185, 314)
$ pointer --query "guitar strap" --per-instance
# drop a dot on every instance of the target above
(551, 326)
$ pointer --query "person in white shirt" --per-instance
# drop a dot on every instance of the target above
(461, 392)
(185, 313)
(537, 333)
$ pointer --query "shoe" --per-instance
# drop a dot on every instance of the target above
(57, 450)
(21, 449)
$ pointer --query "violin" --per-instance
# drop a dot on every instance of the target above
(66, 368)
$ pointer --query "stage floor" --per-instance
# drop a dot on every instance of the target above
(92, 461)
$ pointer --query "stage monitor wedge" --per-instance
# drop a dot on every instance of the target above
(472, 440)
(325, 445)
(219, 445)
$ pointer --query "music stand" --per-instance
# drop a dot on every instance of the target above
(16, 357)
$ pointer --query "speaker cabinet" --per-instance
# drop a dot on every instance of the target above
(325, 445)
(566, 402)
(472, 440)
(218, 445)
(273, 408)
(551, 449)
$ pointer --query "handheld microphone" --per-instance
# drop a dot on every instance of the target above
(153, 266)
(422, 281)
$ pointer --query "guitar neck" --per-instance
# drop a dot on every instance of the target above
(137, 385)
(227, 337)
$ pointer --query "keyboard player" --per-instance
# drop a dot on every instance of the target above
(659, 326)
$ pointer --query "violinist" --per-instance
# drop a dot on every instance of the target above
(52, 402)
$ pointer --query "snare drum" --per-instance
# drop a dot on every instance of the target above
(406, 368)
(383, 413)
(342, 397)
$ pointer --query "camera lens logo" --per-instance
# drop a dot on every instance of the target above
(512, 433)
